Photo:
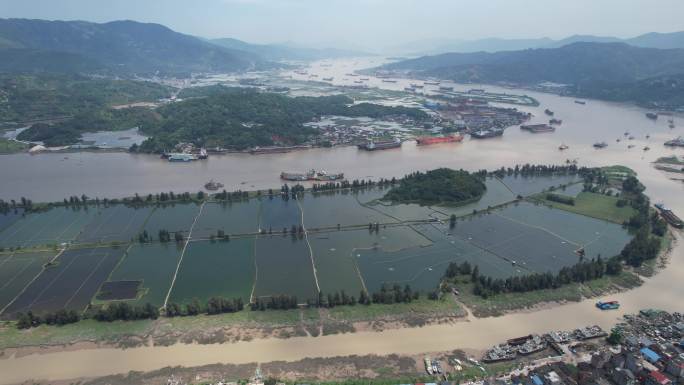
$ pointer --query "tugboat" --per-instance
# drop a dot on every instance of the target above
(213, 186)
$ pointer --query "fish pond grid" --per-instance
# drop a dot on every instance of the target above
(75, 257)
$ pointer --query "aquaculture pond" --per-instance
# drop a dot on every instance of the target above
(69, 282)
(350, 241)
(17, 270)
(215, 269)
(153, 265)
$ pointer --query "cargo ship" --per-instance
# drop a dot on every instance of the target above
(483, 134)
(373, 145)
(181, 157)
(389, 81)
(311, 175)
(677, 142)
(537, 128)
(652, 115)
(276, 149)
(446, 88)
(669, 216)
(328, 79)
(608, 305)
(430, 83)
(426, 140)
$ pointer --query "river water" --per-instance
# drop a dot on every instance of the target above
(54, 176)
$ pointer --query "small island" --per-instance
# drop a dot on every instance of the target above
(441, 186)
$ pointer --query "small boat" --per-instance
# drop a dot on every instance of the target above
(617, 140)
(600, 145)
(213, 186)
(648, 136)
(563, 147)
(652, 115)
(582, 102)
(630, 146)
(647, 148)
(631, 137)
(548, 112)
(626, 133)
(608, 305)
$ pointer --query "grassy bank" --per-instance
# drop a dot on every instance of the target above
(592, 205)
(509, 302)
(11, 146)
(415, 313)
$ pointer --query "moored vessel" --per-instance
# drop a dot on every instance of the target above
(373, 145)
(427, 140)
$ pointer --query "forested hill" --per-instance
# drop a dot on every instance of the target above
(227, 117)
(440, 186)
(114, 47)
(571, 64)
(242, 118)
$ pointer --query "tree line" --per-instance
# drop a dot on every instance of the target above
(118, 311)
(539, 169)
(215, 305)
(582, 271)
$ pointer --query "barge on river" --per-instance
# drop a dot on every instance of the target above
(311, 175)
(427, 140)
(373, 145)
(669, 216)
(537, 128)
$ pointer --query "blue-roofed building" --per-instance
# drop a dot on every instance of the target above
(650, 355)
(536, 380)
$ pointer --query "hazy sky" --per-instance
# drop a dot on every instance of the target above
(371, 23)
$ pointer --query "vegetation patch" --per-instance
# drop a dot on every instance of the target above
(591, 204)
(441, 186)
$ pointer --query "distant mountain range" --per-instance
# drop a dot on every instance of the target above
(118, 47)
(574, 63)
(614, 71)
(437, 46)
(278, 52)
(129, 47)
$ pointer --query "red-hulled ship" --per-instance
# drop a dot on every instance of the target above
(425, 140)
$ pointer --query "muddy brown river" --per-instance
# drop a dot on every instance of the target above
(54, 176)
